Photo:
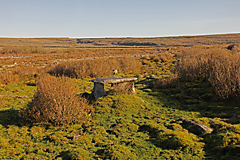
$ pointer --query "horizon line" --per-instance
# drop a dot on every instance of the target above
(103, 37)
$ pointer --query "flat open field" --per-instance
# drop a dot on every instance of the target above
(186, 104)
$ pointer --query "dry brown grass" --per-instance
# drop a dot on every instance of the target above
(1, 102)
(19, 73)
(23, 50)
(95, 68)
(56, 103)
(225, 75)
(170, 82)
(69, 43)
(194, 64)
(161, 57)
(219, 66)
(8, 78)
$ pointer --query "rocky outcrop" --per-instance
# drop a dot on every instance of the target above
(200, 127)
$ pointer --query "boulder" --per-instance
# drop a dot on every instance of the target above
(232, 46)
(200, 127)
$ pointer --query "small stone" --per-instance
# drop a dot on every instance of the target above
(23, 144)
(151, 76)
(162, 131)
(147, 76)
(22, 96)
(115, 71)
(76, 136)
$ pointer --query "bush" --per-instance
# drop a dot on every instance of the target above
(225, 76)
(170, 82)
(23, 50)
(194, 65)
(56, 103)
(161, 58)
(218, 66)
(95, 68)
(8, 78)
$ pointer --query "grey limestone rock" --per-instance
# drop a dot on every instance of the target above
(99, 90)
(200, 127)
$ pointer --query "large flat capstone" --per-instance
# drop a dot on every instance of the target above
(113, 79)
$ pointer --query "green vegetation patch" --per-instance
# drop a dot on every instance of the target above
(146, 125)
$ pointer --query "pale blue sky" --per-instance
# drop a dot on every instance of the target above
(117, 18)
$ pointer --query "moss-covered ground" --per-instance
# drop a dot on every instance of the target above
(146, 125)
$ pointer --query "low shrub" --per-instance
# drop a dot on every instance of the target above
(194, 65)
(8, 78)
(161, 57)
(95, 68)
(225, 75)
(218, 66)
(23, 50)
(169, 82)
(56, 103)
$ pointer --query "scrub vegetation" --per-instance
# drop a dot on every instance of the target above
(47, 110)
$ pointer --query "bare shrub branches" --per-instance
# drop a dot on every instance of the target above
(219, 66)
(169, 82)
(194, 65)
(56, 103)
(225, 75)
(8, 78)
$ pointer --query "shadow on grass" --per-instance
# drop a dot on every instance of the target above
(88, 96)
(152, 132)
(9, 117)
(31, 84)
(198, 97)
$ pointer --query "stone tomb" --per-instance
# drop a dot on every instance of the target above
(99, 90)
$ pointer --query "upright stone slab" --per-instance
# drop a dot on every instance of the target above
(99, 90)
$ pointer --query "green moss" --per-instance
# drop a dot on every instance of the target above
(76, 154)
(180, 140)
(225, 140)
(119, 152)
(141, 126)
